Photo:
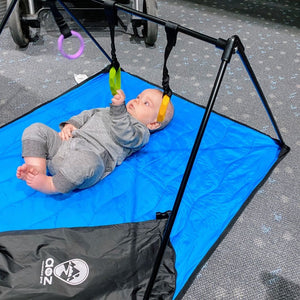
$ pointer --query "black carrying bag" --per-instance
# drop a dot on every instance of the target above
(105, 262)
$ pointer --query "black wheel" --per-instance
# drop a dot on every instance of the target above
(150, 28)
(18, 28)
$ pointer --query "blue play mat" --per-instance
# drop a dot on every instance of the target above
(231, 164)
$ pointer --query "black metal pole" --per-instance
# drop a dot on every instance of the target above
(220, 43)
(258, 88)
(7, 14)
(225, 60)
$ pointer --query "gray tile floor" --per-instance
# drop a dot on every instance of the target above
(259, 258)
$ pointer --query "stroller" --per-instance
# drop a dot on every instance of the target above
(27, 16)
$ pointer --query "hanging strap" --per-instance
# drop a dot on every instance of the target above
(171, 32)
(59, 20)
(115, 70)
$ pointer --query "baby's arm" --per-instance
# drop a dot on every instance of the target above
(118, 98)
(66, 131)
(125, 130)
(79, 120)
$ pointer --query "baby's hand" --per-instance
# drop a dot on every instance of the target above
(66, 132)
(118, 98)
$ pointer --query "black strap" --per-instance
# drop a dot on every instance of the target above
(112, 19)
(62, 25)
(171, 31)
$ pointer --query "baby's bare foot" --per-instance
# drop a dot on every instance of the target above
(40, 182)
(23, 170)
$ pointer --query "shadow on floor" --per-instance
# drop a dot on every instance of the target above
(278, 288)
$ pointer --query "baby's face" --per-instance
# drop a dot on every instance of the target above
(146, 106)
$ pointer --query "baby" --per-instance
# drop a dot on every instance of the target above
(89, 145)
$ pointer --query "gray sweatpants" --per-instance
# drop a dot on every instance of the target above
(72, 163)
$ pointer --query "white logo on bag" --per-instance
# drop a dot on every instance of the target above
(74, 271)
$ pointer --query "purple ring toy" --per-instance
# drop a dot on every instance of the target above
(71, 56)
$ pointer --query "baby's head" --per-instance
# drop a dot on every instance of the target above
(145, 108)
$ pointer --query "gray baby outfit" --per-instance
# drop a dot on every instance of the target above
(103, 139)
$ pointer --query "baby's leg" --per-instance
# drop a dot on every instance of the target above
(78, 170)
(40, 182)
(39, 142)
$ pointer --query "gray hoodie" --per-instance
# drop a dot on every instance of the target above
(112, 129)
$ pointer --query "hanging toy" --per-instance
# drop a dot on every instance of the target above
(163, 108)
(75, 55)
(114, 80)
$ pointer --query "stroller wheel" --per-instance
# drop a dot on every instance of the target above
(150, 28)
(18, 28)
